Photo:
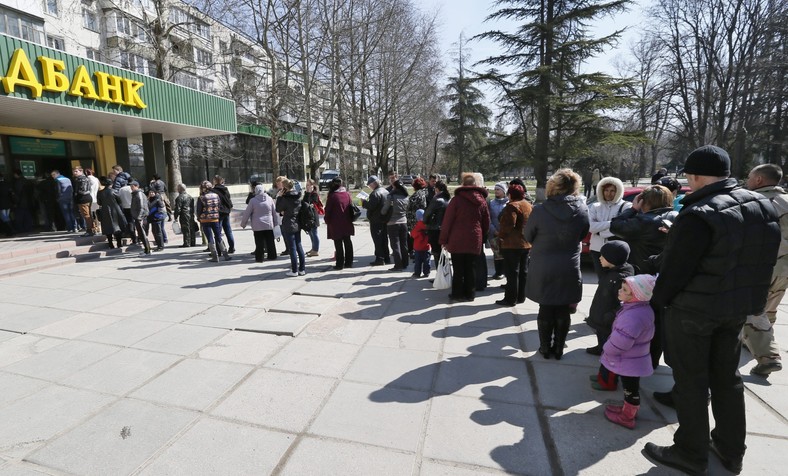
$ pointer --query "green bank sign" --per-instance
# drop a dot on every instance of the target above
(33, 146)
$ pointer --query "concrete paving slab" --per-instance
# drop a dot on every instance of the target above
(397, 368)
(7, 335)
(286, 324)
(764, 455)
(45, 413)
(475, 315)
(334, 327)
(174, 311)
(485, 433)
(402, 335)
(258, 297)
(219, 447)
(193, 383)
(180, 339)
(32, 318)
(324, 456)
(77, 302)
(61, 361)
(304, 305)
(126, 332)
(471, 376)
(275, 399)
(23, 469)
(133, 306)
(435, 468)
(251, 348)
(333, 289)
(387, 417)
(309, 356)
(224, 317)
(121, 437)
(17, 386)
(24, 346)
(762, 419)
(121, 372)
(77, 325)
(504, 342)
(9, 309)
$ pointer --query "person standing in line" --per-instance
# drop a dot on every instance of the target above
(156, 214)
(119, 177)
(139, 213)
(225, 208)
(288, 204)
(377, 221)
(84, 200)
(715, 271)
(555, 230)
(95, 185)
(113, 221)
(610, 203)
(433, 218)
(396, 208)
(24, 206)
(416, 201)
(339, 223)
(431, 191)
(421, 247)
(758, 332)
(65, 200)
(312, 195)
(124, 193)
(463, 231)
(207, 210)
(184, 213)
(513, 247)
(497, 204)
(261, 212)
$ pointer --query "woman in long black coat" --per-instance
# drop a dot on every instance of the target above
(110, 213)
(555, 230)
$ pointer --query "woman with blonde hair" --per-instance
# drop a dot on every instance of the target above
(555, 229)
(288, 204)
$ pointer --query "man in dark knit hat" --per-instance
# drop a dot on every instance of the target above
(716, 270)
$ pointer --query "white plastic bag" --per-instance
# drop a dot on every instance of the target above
(277, 233)
(443, 271)
(176, 228)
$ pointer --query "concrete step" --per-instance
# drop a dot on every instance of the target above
(36, 252)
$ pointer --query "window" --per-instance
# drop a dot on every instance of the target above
(140, 33)
(222, 47)
(206, 85)
(178, 16)
(185, 79)
(200, 29)
(92, 54)
(56, 43)
(89, 20)
(21, 26)
(123, 24)
(203, 57)
(133, 62)
(152, 68)
(52, 7)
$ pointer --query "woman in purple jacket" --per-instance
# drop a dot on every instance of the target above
(339, 221)
(626, 352)
(261, 212)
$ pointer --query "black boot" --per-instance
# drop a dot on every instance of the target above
(545, 336)
(498, 263)
(561, 330)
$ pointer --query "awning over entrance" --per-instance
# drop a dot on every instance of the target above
(50, 90)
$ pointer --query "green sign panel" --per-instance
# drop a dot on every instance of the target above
(28, 168)
(34, 146)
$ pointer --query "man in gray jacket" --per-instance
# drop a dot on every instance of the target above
(139, 213)
(377, 220)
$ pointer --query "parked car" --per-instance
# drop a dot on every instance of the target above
(629, 195)
(326, 178)
(407, 179)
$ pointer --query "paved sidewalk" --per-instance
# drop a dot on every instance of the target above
(173, 365)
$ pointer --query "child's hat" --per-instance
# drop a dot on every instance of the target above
(615, 252)
(642, 286)
(419, 214)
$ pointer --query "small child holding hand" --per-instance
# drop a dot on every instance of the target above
(421, 246)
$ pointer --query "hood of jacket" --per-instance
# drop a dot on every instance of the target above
(474, 195)
(292, 195)
(261, 198)
(564, 207)
(610, 181)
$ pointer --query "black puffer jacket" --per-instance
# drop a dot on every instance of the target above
(606, 303)
(225, 201)
(288, 205)
(555, 229)
(641, 232)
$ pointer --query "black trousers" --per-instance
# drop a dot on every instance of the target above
(264, 244)
(463, 283)
(704, 354)
(344, 252)
(130, 223)
(433, 237)
(380, 239)
(142, 237)
(514, 270)
(398, 237)
(553, 322)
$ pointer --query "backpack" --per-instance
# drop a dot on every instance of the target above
(307, 216)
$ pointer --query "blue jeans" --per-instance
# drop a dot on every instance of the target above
(224, 220)
(212, 229)
(314, 238)
(67, 209)
(158, 232)
(297, 257)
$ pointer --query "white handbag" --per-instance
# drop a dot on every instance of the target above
(443, 270)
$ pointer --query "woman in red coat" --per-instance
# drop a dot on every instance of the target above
(339, 221)
(463, 231)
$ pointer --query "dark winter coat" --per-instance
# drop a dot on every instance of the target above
(606, 303)
(374, 205)
(641, 232)
(121, 180)
(467, 219)
(184, 206)
(288, 205)
(111, 213)
(156, 209)
(139, 205)
(339, 215)
(417, 201)
(433, 215)
(82, 192)
(314, 199)
(225, 201)
(555, 230)
(6, 195)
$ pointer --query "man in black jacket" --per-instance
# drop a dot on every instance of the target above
(83, 199)
(377, 220)
(225, 208)
(716, 269)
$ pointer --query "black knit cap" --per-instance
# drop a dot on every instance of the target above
(615, 252)
(709, 160)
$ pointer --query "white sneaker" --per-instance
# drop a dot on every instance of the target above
(291, 274)
(302, 273)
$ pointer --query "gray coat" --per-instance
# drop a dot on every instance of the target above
(139, 205)
(555, 230)
(288, 205)
(396, 207)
